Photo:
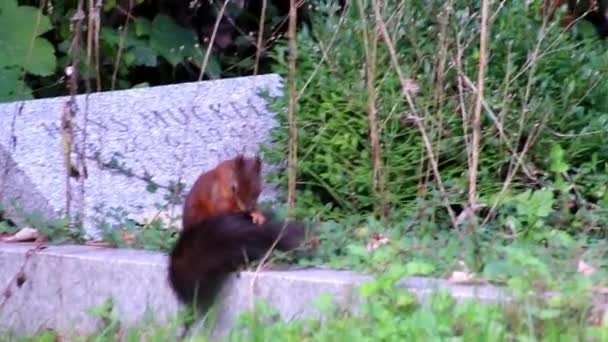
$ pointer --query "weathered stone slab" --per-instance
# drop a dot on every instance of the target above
(16, 186)
(63, 282)
(167, 133)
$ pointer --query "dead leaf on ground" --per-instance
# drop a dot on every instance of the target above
(585, 268)
(128, 237)
(461, 277)
(598, 315)
(376, 241)
(23, 235)
(411, 86)
(312, 242)
(603, 290)
(99, 244)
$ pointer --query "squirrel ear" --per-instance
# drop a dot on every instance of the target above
(258, 162)
(233, 186)
(240, 161)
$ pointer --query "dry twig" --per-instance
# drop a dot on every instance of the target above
(371, 47)
(259, 44)
(475, 117)
(293, 98)
(418, 121)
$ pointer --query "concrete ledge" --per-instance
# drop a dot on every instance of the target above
(62, 282)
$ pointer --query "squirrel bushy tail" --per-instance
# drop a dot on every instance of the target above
(206, 254)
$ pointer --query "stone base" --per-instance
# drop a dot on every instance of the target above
(60, 284)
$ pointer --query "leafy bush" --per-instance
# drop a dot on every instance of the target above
(545, 91)
(22, 49)
(389, 312)
(157, 42)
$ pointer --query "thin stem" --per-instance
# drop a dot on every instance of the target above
(293, 98)
(260, 45)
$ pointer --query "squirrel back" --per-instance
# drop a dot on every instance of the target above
(234, 185)
(203, 257)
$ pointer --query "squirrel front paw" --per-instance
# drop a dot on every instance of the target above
(258, 218)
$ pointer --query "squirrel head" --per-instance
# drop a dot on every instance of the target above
(247, 181)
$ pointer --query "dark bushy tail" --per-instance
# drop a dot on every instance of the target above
(210, 250)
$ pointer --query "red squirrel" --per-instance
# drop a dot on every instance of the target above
(205, 254)
(234, 185)
(222, 229)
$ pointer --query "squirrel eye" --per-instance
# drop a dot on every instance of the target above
(233, 187)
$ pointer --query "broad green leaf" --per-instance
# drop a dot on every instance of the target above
(7, 5)
(214, 69)
(405, 299)
(145, 56)
(357, 250)
(138, 49)
(369, 288)
(115, 37)
(109, 5)
(176, 43)
(172, 41)
(324, 303)
(546, 314)
(558, 162)
(19, 42)
(419, 268)
(22, 21)
(128, 58)
(143, 27)
(10, 84)
(42, 61)
(542, 200)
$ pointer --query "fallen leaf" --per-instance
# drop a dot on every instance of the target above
(99, 244)
(411, 86)
(460, 277)
(603, 290)
(376, 241)
(128, 237)
(585, 268)
(467, 213)
(24, 234)
(598, 315)
(409, 119)
(313, 242)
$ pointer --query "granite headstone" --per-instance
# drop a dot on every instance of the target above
(162, 134)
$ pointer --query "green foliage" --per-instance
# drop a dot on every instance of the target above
(390, 312)
(22, 49)
(121, 231)
(57, 230)
(547, 88)
(545, 95)
(531, 210)
(158, 44)
(147, 40)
